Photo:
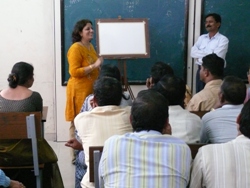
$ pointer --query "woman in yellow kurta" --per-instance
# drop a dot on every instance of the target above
(84, 67)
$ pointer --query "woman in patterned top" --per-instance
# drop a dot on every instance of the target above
(19, 98)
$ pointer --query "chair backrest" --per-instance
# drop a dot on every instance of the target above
(95, 153)
(13, 125)
(194, 148)
(23, 125)
(199, 113)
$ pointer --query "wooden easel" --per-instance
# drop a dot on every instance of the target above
(123, 69)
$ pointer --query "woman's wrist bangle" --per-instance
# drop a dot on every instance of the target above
(91, 67)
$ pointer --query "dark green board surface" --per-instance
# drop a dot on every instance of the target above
(166, 23)
(236, 27)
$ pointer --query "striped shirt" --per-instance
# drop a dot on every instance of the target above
(144, 159)
(224, 165)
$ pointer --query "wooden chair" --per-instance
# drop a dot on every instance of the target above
(23, 125)
(194, 148)
(199, 113)
(95, 153)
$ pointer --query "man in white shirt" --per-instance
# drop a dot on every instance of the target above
(227, 164)
(185, 125)
(212, 42)
(219, 126)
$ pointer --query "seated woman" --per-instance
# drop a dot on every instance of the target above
(19, 98)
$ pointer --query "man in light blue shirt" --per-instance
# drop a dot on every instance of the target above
(150, 156)
(212, 42)
(7, 182)
(219, 126)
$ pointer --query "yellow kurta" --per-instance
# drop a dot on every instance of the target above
(79, 86)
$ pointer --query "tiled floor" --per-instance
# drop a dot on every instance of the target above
(64, 161)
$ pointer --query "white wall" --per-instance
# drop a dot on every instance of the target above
(27, 34)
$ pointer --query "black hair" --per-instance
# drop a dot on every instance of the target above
(149, 111)
(214, 64)
(216, 17)
(76, 37)
(160, 69)
(233, 90)
(112, 71)
(107, 91)
(244, 123)
(173, 89)
(20, 74)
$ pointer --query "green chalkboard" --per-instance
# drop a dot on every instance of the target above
(167, 23)
(236, 27)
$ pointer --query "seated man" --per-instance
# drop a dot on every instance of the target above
(185, 125)
(160, 69)
(105, 120)
(219, 126)
(149, 157)
(211, 74)
(227, 164)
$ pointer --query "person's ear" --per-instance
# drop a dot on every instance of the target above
(167, 128)
(221, 97)
(95, 104)
(238, 124)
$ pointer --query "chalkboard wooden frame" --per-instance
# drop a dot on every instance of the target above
(122, 38)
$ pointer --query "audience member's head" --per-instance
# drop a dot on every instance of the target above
(107, 91)
(150, 112)
(173, 89)
(232, 90)
(160, 69)
(76, 37)
(212, 68)
(110, 71)
(244, 120)
(22, 75)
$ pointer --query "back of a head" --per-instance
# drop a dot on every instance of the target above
(172, 88)
(233, 90)
(214, 64)
(160, 69)
(244, 123)
(110, 71)
(20, 74)
(107, 91)
(149, 111)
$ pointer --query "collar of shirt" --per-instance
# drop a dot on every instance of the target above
(214, 37)
(213, 82)
(151, 132)
(232, 106)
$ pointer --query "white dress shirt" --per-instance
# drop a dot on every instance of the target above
(205, 45)
(222, 165)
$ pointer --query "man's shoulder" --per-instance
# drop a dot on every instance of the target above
(221, 36)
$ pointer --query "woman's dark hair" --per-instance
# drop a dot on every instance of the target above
(76, 37)
(20, 74)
